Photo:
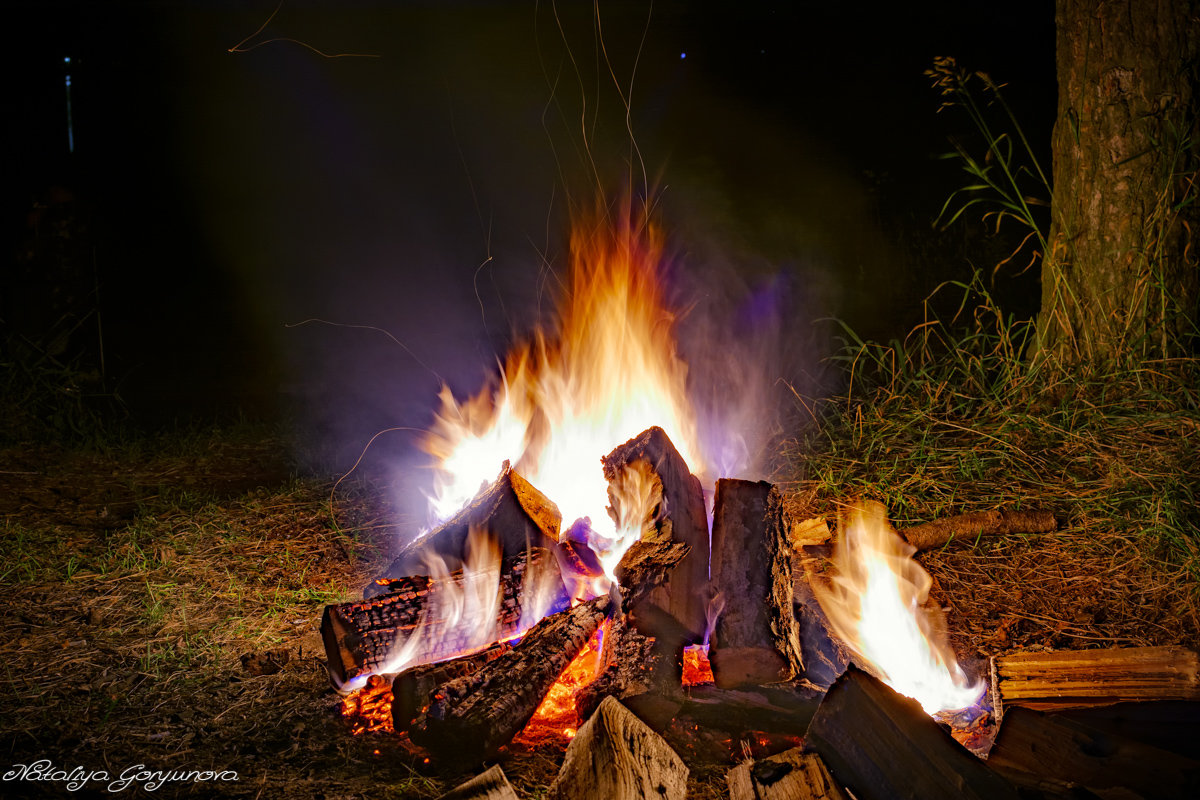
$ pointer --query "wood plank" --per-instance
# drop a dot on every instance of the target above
(490, 785)
(615, 756)
(1051, 752)
(1075, 678)
(790, 775)
(756, 640)
(881, 746)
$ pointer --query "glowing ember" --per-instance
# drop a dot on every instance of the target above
(556, 715)
(875, 605)
(696, 669)
(607, 372)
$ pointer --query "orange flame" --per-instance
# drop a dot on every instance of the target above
(875, 605)
(608, 371)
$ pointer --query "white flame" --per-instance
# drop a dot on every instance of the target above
(875, 604)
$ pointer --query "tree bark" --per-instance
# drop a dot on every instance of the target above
(1119, 280)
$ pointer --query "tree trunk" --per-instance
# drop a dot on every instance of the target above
(1119, 282)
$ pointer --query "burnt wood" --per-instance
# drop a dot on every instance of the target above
(644, 673)
(471, 717)
(790, 775)
(413, 688)
(360, 636)
(997, 522)
(881, 746)
(616, 756)
(683, 598)
(510, 509)
(756, 640)
(782, 708)
(1165, 724)
(824, 655)
(490, 785)
(1075, 678)
(1051, 752)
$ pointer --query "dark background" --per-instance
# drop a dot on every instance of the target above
(215, 199)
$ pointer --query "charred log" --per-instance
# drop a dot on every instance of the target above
(642, 672)
(471, 717)
(756, 640)
(998, 522)
(1165, 724)
(413, 689)
(683, 598)
(359, 637)
(790, 775)
(511, 510)
(881, 745)
(1077, 678)
(784, 708)
(1050, 752)
(615, 756)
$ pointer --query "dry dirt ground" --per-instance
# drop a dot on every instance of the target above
(133, 584)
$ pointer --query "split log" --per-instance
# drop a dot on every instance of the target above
(881, 745)
(644, 673)
(490, 785)
(682, 600)
(824, 655)
(1165, 724)
(646, 566)
(1050, 752)
(1074, 678)
(615, 756)
(790, 775)
(413, 689)
(511, 510)
(998, 522)
(471, 717)
(755, 640)
(782, 708)
(359, 637)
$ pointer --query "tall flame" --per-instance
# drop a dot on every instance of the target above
(875, 604)
(605, 373)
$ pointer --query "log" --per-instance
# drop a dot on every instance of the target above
(756, 640)
(510, 509)
(490, 785)
(1165, 724)
(790, 775)
(825, 657)
(644, 568)
(683, 598)
(412, 690)
(360, 637)
(644, 673)
(998, 522)
(1050, 752)
(880, 745)
(471, 717)
(615, 756)
(1075, 678)
(782, 708)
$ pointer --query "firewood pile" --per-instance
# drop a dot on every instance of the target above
(1109, 723)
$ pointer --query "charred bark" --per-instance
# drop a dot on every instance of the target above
(644, 673)
(413, 689)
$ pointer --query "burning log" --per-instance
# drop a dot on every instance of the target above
(1047, 751)
(359, 637)
(881, 745)
(615, 756)
(783, 708)
(645, 567)
(756, 640)
(471, 717)
(490, 785)
(413, 688)
(1095, 677)
(677, 608)
(642, 672)
(790, 775)
(511, 509)
(998, 522)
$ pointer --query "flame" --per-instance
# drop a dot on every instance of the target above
(605, 372)
(875, 605)
(556, 714)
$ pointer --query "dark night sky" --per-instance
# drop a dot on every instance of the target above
(231, 194)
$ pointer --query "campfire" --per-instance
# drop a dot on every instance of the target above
(587, 575)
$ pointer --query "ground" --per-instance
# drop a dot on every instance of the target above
(161, 603)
